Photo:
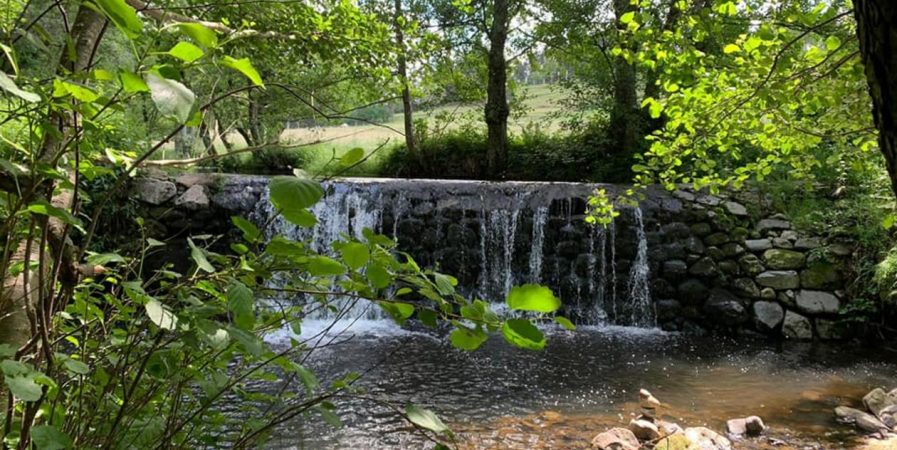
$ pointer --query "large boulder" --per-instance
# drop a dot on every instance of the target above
(883, 405)
(769, 314)
(702, 438)
(780, 259)
(779, 279)
(817, 302)
(153, 191)
(616, 439)
(725, 308)
(861, 419)
(193, 199)
(796, 326)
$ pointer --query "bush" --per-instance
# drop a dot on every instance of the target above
(268, 161)
(534, 155)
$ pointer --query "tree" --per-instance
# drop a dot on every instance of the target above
(497, 110)
(876, 28)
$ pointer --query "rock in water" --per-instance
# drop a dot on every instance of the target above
(883, 405)
(750, 426)
(616, 439)
(706, 439)
(644, 429)
(649, 403)
(862, 420)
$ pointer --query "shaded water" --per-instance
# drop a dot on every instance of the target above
(583, 383)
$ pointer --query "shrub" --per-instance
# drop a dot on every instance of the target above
(268, 161)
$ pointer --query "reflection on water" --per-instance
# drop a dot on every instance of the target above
(584, 382)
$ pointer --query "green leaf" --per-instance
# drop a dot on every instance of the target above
(132, 83)
(565, 322)
(425, 418)
(101, 259)
(533, 297)
(171, 97)
(24, 388)
(352, 157)
(48, 437)
(832, 43)
(186, 52)
(123, 16)
(320, 266)
(7, 351)
(731, 48)
(250, 232)
(628, 17)
(355, 255)
(330, 417)
(379, 277)
(8, 85)
(400, 312)
(468, 338)
(522, 333)
(46, 209)
(309, 380)
(292, 195)
(199, 257)
(200, 33)
(75, 366)
(427, 317)
(888, 222)
(160, 315)
(244, 66)
(240, 303)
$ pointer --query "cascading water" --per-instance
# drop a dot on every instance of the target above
(491, 236)
(642, 313)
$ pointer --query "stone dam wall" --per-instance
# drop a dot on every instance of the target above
(681, 260)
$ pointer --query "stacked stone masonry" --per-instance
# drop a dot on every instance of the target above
(717, 263)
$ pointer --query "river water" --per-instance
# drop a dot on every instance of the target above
(583, 383)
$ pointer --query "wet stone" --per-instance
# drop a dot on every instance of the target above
(768, 314)
(701, 229)
(779, 259)
(758, 245)
(694, 245)
(773, 224)
(817, 302)
(779, 279)
(797, 326)
(705, 267)
(746, 287)
(716, 239)
(736, 209)
(729, 267)
(675, 267)
(751, 264)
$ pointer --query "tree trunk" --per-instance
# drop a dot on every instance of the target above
(18, 292)
(877, 33)
(407, 111)
(497, 110)
(624, 126)
(255, 128)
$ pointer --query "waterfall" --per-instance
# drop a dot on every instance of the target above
(476, 232)
(642, 312)
(535, 257)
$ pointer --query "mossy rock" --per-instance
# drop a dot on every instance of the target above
(779, 259)
(821, 275)
(674, 442)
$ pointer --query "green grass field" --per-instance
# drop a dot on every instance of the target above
(542, 103)
(541, 106)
